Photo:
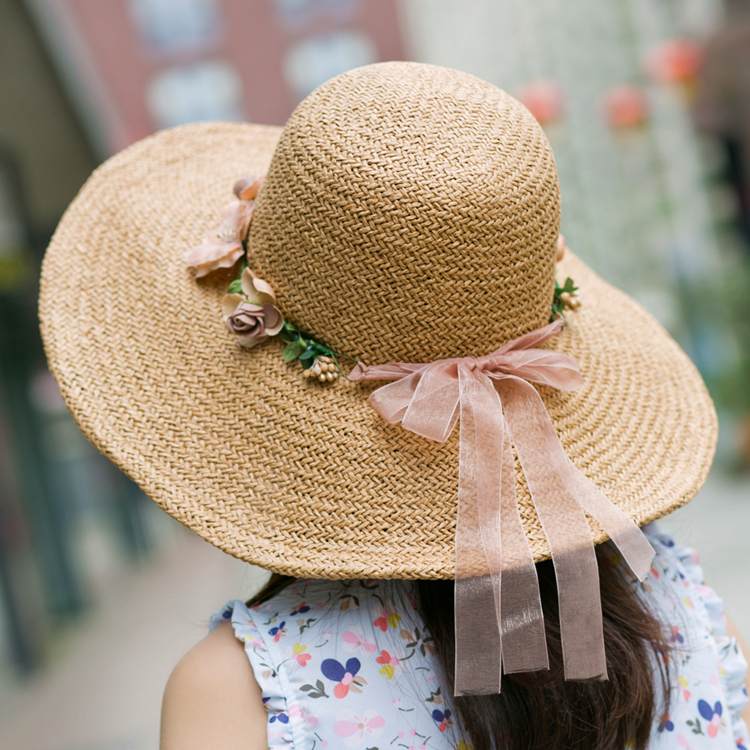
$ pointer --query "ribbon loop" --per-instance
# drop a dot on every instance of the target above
(499, 618)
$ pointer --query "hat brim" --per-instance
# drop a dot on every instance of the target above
(298, 477)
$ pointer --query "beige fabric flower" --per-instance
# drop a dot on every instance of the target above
(252, 316)
(222, 248)
(248, 187)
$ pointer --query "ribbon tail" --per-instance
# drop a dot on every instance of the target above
(522, 619)
(478, 538)
(565, 526)
(620, 527)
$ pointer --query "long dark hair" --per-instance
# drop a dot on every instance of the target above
(540, 710)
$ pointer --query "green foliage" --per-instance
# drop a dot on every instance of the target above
(299, 344)
(302, 346)
(558, 308)
(292, 350)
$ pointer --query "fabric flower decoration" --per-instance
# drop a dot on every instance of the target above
(345, 675)
(222, 248)
(252, 316)
(248, 187)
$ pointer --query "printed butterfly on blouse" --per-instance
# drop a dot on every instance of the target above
(389, 664)
(443, 719)
(711, 715)
(299, 654)
(300, 610)
(344, 675)
(278, 631)
(665, 724)
(387, 618)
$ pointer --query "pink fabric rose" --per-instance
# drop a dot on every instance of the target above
(252, 316)
(223, 247)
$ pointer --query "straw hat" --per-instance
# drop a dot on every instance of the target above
(409, 213)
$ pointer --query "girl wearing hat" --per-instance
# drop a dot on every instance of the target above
(385, 381)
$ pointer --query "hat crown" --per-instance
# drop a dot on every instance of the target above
(410, 213)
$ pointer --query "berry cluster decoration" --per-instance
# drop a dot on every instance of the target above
(566, 297)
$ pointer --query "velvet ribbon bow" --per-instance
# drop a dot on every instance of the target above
(499, 620)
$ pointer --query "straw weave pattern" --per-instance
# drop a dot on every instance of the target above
(306, 479)
(424, 197)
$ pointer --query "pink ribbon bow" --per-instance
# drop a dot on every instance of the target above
(499, 620)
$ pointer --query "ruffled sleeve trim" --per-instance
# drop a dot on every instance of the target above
(280, 734)
(733, 665)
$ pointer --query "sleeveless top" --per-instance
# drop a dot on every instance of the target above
(350, 664)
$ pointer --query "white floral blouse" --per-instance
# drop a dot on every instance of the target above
(349, 664)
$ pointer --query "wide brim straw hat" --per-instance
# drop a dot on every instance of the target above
(409, 213)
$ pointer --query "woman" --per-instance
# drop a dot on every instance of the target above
(406, 233)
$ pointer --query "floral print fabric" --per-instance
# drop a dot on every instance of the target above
(348, 664)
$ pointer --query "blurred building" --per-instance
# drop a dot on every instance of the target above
(80, 80)
(135, 66)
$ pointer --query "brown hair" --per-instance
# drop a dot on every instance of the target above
(541, 710)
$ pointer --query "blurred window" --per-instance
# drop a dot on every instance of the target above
(208, 90)
(297, 13)
(314, 60)
(176, 25)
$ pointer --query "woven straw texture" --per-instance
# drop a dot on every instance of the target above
(410, 212)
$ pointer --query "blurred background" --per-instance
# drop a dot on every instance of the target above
(647, 106)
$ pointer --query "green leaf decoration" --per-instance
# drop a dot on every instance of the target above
(292, 350)
(288, 333)
(309, 353)
(235, 287)
(558, 308)
(569, 286)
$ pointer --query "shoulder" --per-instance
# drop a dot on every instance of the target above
(212, 694)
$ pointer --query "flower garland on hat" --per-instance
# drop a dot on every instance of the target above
(249, 309)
